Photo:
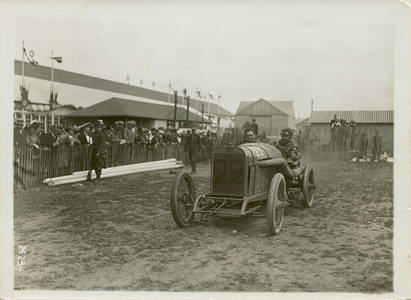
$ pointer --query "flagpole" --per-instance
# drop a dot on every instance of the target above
(23, 113)
(52, 86)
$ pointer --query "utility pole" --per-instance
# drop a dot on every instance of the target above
(188, 107)
(202, 115)
(175, 108)
(22, 86)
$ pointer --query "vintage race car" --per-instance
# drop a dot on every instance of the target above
(248, 180)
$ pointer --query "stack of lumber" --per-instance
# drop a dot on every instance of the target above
(117, 171)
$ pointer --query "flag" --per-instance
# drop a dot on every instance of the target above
(185, 92)
(30, 59)
(199, 94)
(58, 59)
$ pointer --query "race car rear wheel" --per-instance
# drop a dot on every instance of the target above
(276, 204)
(182, 198)
(308, 186)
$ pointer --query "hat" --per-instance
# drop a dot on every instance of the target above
(85, 125)
(286, 132)
(100, 123)
(34, 122)
(120, 122)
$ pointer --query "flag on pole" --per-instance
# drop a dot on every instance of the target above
(58, 59)
(185, 92)
(199, 94)
(30, 59)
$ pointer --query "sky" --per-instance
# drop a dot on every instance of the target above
(338, 54)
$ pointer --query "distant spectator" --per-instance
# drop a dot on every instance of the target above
(84, 135)
(18, 135)
(363, 145)
(254, 127)
(353, 135)
(32, 134)
(191, 147)
(300, 140)
(376, 146)
(48, 140)
(129, 134)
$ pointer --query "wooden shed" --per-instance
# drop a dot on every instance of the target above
(271, 116)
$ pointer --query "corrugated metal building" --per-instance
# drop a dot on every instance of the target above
(271, 116)
(84, 90)
(367, 121)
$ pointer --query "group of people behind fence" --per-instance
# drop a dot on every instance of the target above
(98, 136)
(345, 136)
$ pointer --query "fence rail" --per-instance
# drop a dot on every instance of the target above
(32, 166)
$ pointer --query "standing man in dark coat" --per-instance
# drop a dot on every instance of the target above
(98, 151)
(48, 140)
(376, 146)
(84, 135)
(254, 127)
(191, 146)
(363, 145)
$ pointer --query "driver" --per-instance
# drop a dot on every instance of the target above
(250, 137)
(289, 148)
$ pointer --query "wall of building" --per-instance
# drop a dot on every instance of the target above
(319, 134)
(270, 124)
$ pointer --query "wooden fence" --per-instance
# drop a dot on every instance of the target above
(32, 166)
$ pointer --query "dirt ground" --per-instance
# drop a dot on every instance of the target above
(118, 234)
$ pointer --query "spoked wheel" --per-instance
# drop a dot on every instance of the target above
(277, 203)
(308, 186)
(182, 197)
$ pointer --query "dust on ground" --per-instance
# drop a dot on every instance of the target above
(118, 234)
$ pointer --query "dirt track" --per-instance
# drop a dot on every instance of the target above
(118, 234)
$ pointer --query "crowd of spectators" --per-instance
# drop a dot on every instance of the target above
(345, 136)
(120, 132)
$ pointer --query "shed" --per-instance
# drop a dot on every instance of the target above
(271, 116)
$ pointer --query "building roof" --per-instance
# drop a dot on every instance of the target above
(286, 107)
(302, 122)
(117, 107)
(359, 116)
(82, 80)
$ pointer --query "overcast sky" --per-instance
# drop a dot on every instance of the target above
(339, 54)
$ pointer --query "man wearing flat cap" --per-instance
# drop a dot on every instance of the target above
(98, 151)
(289, 148)
(254, 127)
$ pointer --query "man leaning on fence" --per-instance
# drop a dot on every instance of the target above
(98, 151)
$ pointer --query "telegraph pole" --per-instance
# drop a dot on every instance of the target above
(175, 108)
(22, 86)
(188, 107)
(202, 115)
